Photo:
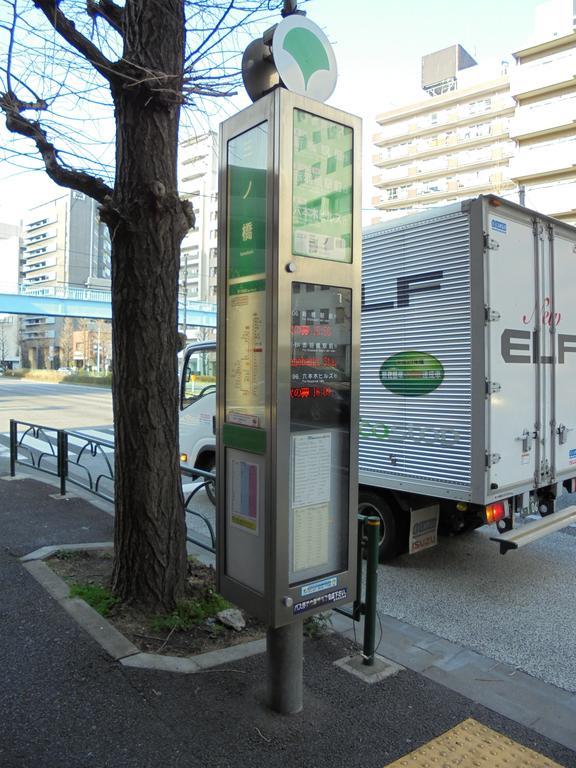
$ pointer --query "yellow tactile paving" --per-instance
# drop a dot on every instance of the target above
(472, 745)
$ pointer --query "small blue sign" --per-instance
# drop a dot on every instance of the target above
(499, 226)
(318, 586)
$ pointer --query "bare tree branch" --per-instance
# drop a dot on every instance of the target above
(11, 46)
(107, 10)
(64, 177)
(67, 29)
(213, 32)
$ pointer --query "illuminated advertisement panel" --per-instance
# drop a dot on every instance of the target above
(322, 176)
(246, 292)
(320, 374)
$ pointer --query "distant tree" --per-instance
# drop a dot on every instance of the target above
(104, 341)
(66, 342)
(84, 330)
(135, 63)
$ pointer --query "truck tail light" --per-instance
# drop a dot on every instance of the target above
(183, 458)
(495, 512)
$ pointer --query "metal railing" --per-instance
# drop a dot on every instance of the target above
(91, 467)
(48, 451)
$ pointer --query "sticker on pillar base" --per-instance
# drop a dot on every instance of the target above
(244, 512)
(316, 602)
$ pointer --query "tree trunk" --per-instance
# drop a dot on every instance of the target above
(147, 222)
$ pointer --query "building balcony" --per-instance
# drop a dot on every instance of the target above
(465, 93)
(532, 122)
(27, 268)
(551, 160)
(48, 277)
(194, 172)
(395, 133)
(557, 198)
(448, 191)
(41, 222)
(544, 76)
(31, 335)
(439, 145)
(32, 321)
(448, 166)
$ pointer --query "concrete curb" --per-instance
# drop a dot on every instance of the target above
(108, 637)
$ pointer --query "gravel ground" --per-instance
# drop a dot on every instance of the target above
(518, 608)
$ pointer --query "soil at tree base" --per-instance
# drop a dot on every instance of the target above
(94, 567)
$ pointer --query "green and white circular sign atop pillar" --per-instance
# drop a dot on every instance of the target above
(304, 58)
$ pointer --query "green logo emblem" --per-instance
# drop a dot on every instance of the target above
(307, 50)
(304, 58)
(411, 374)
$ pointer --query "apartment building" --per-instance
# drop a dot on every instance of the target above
(198, 182)
(64, 245)
(543, 83)
(452, 144)
(9, 278)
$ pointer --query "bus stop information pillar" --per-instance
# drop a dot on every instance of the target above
(288, 333)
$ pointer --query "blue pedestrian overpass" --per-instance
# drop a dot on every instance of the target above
(65, 301)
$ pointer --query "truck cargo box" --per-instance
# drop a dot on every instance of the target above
(468, 355)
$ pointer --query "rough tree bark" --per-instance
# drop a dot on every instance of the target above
(147, 222)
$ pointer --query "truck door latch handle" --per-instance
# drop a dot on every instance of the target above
(526, 439)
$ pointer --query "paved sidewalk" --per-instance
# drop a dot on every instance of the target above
(65, 703)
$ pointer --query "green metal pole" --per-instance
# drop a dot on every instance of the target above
(13, 446)
(373, 531)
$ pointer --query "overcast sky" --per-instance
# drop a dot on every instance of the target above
(378, 46)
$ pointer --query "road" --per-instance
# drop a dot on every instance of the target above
(62, 406)
(518, 608)
(87, 410)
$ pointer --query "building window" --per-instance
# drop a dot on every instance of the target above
(331, 164)
(348, 156)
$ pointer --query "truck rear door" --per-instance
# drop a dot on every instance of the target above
(513, 253)
(562, 321)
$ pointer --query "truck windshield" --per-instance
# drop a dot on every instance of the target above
(199, 375)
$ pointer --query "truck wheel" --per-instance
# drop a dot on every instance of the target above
(211, 485)
(373, 505)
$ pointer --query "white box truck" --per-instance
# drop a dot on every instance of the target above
(468, 375)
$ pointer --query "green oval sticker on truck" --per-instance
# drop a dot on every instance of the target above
(411, 373)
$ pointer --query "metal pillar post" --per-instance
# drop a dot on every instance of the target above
(284, 651)
(373, 531)
(62, 459)
(13, 446)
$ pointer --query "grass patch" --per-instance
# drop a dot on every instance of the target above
(99, 598)
(318, 625)
(189, 613)
(70, 554)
